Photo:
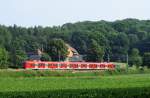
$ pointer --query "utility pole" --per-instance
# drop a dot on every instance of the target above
(108, 58)
(42, 48)
(59, 55)
(127, 60)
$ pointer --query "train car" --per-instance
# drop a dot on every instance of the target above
(68, 65)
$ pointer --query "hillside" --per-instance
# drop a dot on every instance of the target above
(114, 39)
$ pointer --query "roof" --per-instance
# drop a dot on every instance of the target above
(72, 49)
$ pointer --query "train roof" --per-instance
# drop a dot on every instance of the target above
(55, 62)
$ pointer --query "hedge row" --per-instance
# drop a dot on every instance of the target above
(66, 73)
(82, 93)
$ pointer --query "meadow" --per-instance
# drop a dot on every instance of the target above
(79, 85)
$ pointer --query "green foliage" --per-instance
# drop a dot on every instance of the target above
(133, 39)
(18, 57)
(146, 59)
(142, 35)
(3, 58)
(116, 38)
(79, 41)
(45, 57)
(57, 49)
(135, 58)
(81, 93)
(21, 56)
(20, 73)
(5, 37)
(95, 52)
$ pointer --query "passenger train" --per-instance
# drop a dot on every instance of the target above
(68, 65)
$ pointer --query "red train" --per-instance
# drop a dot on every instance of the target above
(68, 65)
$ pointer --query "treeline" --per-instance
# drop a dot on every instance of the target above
(121, 41)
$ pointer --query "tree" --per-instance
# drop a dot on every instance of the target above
(118, 37)
(133, 39)
(57, 49)
(79, 41)
(135, 58)
(5, 37)
(142, 35)
(21, 56)
(123, 41)
(95, 52)
(146, 59)
(3, 58)
(18, 44)
(45, 57)
(18, 57)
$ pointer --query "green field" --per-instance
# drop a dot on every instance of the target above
(117, 86)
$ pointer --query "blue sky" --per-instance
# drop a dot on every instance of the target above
(57, 12)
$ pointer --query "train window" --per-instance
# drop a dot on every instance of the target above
(31, 65)
(52, 65)
(63, 66)
(74, 65)
(102, 65)
(55, 64)
(83, 65)
(46, 64)
(93, 66)
(59, 64)
(41, 64)
(35, 64)
(110, 66)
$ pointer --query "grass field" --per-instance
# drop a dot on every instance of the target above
(16, 73)
(117, 86)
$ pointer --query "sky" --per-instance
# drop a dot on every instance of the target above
(58, 12)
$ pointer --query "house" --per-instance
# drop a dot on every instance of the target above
(35, 55)
(73, 55)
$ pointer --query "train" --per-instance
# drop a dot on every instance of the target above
(68, 65)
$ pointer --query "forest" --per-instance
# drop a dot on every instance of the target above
(125, 40)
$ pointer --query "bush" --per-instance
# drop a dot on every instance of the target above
(3, 58)
(135, 58)
(45, 57)
(82, 93)
(146, 59)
